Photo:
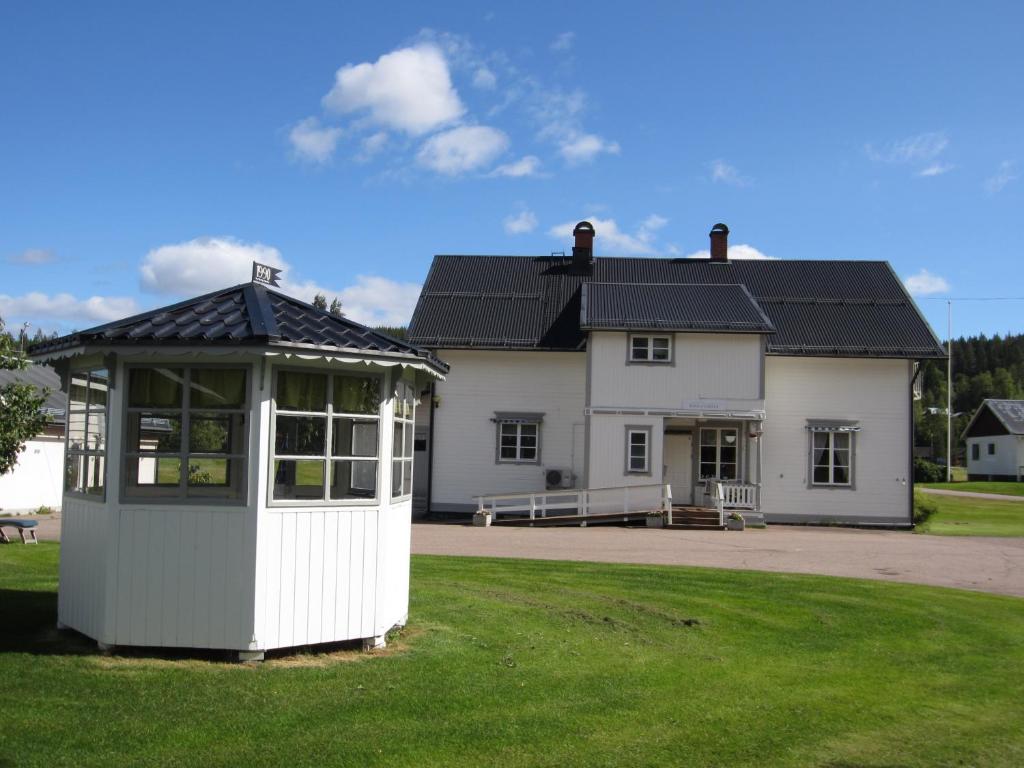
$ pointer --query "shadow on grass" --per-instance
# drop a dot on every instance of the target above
(30, 626)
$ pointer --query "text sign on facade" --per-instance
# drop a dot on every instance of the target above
(265, 274)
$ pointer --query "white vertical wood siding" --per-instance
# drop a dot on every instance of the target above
(707, 366)
(875, 393)
(482, 382)
(87, 529)
(1009, 455)
(608, 450)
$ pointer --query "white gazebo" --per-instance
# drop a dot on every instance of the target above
(238, 475)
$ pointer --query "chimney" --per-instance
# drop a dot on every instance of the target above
(583, 247)
(720, 244)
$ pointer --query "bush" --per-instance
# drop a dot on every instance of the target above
(928, 472)
(924, 508)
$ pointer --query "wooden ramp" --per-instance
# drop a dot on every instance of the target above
(605, 518)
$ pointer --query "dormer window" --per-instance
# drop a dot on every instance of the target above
(650, 349)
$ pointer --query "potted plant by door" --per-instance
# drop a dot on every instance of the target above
(655, 519)
(735, 522)
(482, 517)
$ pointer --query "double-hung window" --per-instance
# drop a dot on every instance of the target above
(404, 409)
(186, 432)
(518, 438)
(719, 450)
(650, 349)
(326, 436)
(85, 459)
(831, 458)
(638, 450)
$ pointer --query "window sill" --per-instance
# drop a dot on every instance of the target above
(510, 463)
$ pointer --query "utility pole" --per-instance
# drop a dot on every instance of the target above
(949, 391)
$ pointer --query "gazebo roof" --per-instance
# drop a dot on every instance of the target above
(249, 314)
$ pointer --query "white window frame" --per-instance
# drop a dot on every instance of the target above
(83, 454)
(327, 457)
(517, 424)
(831, 449)
(183, 495)
(719, 442)
(645, 432)
(403, 409)
(650, 344)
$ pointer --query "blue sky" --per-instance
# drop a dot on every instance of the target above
(152, 151)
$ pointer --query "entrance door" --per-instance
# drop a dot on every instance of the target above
(678, 468)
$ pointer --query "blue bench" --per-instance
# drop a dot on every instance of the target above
(22, 526)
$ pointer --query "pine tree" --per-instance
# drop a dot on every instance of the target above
(320, 301)
(20, 418)
(336, 307)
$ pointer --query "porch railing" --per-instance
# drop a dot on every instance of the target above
(739, 495)
(582, 502)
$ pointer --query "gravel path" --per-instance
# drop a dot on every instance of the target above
(971, 494)
(969, 562)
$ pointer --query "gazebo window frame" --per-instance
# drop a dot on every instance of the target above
(97, 453)
(403, 410)
(327, 457)
(187, 495)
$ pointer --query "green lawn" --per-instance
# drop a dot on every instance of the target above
(544, 663)
(959, 516)
(979, 486)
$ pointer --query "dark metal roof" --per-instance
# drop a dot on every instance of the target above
(1010, 414)
(43, 378)
(671, 307)
(816, 307)
(248, 314)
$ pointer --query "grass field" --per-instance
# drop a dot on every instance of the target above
(958, 516)
(978, 486)
(552, 664)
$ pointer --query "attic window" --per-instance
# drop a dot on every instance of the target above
(650, 349)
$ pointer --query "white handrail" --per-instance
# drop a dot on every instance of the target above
(627, 499)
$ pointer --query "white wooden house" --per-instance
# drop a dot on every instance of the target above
(238, 475)
(785, 386)
(995, 441)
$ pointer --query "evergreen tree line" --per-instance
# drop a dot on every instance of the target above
(983, 367)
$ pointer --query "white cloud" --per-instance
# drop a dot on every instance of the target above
(723, 173)
(203, 265)
(525, 166)
(207, 264)
(612, 240)
(521, 223)
(584, 147)
(466, 148)
(377, 300)
(372, 145)
(563, 42)
(46, 311)
(313, 142)
(935, 169)
(409, 89)
(32, 256)
(923, 147)
(484, 79)
(1006, 173)
(924, 283)
(736, 252)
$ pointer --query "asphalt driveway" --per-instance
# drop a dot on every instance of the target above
(969, 562)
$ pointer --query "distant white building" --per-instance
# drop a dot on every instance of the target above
(788, 383)
(995, 441)
(37, 479)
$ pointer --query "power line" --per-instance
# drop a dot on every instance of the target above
(972, 298)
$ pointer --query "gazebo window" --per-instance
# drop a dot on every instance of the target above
(186, 432)
(402, 445)
(326, 436)
(85, 460)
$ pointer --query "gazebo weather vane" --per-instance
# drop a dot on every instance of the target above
(265, 274)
